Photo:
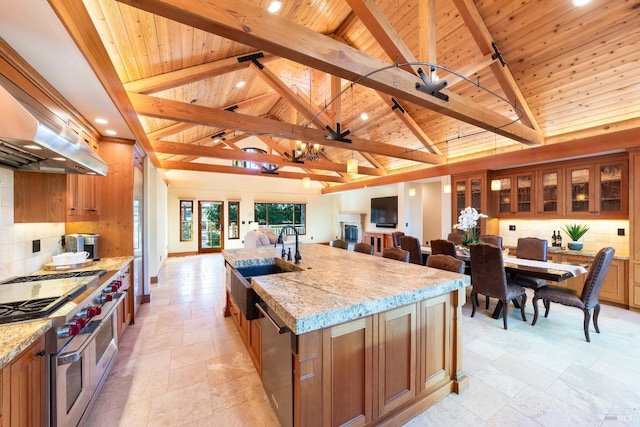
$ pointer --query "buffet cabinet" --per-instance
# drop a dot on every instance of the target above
(125, 309)
(379, 241)
(597, 188)
(22, 398)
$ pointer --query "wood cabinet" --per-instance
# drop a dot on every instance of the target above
(250, 332)
(39, 197)
(515, 196)
(598, 189)
(615, 287)
(634, 228)
(82, 198)
(23, 394)
(593, 189)
(379, 241)
(383, 368)
(125, 309)
(470, 190)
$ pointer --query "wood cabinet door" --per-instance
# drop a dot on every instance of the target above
(27, 392)
(516, 195)
(397, 352)
(434, 354)
(255, 344)
(470, 190)
(39, 197)
(612, 189)
(347, 373)
(549, 192)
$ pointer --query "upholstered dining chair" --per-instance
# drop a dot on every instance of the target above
(364, 248)
(534, 249)
(395, 238)
(441, 246)
(396, 253)
(588, 298)
(446, 262)
(492, 239)
(339, 243)
(455, 238)
(412, 244)
(489, 278)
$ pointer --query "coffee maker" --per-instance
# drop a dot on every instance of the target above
(74, 242)
(91, 245)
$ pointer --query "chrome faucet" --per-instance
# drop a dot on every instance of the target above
(297, 256)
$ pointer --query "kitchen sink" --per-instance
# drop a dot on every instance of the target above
(240, 289)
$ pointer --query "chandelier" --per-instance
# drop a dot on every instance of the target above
(309, 151)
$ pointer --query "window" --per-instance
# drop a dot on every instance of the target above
(234, 216)
(277, 215)
(186, 220)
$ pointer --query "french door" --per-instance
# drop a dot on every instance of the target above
(211, 229)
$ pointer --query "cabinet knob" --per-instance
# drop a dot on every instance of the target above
(40, 353)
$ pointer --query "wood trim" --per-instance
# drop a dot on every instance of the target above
(179, 254)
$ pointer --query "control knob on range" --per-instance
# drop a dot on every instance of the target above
(68, 330)
(104, 298)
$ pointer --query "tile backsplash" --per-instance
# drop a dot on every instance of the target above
(16, 257)
(602, 233)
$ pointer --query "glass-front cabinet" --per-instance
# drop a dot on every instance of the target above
(469, 190)
(515, 196)
(549, 194)
(598, 189)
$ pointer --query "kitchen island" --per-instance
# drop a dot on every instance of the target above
(373, 339)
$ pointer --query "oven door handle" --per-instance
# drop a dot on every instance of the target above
(74, 356)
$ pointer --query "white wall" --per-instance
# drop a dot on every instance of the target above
(16, 256)
(155, 224)
(432, 214)
(359, 202)
(247, 190)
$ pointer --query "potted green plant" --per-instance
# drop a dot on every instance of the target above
(575, 232)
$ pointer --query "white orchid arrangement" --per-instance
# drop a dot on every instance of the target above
(468, 222)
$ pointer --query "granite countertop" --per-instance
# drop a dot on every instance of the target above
(335, 285)
(16, 337)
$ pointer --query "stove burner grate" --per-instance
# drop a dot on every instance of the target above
(27, 310)
(54, 276)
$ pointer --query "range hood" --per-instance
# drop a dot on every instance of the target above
(29, 145)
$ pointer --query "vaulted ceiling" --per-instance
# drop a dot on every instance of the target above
(519, 74)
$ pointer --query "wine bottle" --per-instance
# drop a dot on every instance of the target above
(554, 239)
(559, 240)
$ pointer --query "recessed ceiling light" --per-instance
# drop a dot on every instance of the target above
(60, 159)
(33, 147)
(241, 83)
(101, 121)
(274, 6)
(578, 3)
(364, 116)
(110, 132)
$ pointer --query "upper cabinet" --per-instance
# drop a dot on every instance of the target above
(470, 190)
(596, 187)
(82, 198)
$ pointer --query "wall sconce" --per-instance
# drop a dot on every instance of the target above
(446, 189)
(495, 185)
(306, 182)
(412, 192)
(352, 166)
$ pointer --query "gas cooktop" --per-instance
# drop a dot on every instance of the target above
(35, 297)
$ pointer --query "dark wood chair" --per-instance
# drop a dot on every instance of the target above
(586, 300)
(395, 238)
(396, 253)
(456, 238)
(492, 239)
(364, 248)
(444, 247)
(412, 244)
(489, 278)
(339, 243)
(534, 249)
(446, 262)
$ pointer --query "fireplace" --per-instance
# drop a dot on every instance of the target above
(350, 226)
(351, 233)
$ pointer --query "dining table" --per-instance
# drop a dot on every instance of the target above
(546, 270)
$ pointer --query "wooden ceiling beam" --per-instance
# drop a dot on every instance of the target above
(484, 40)
(236, 20)
(203, 167)
(170, 130)
(192, 74)
(180, 111)
(223, 153)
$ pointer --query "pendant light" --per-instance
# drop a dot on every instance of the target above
(495, 183)
(306, 182)
(352, 166)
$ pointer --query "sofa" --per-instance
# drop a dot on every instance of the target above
(264, 236)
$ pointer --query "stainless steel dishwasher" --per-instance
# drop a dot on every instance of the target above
(277, 364)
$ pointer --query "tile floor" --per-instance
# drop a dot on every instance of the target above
(183, 364)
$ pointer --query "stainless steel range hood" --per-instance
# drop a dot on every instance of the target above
(29, 145)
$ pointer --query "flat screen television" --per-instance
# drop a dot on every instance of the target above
(384, 211)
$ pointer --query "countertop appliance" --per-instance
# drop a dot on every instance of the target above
(28, 144)
(91, 245)
(74, 242)
(82, 345)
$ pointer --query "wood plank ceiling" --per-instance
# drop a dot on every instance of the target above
(566, 70)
